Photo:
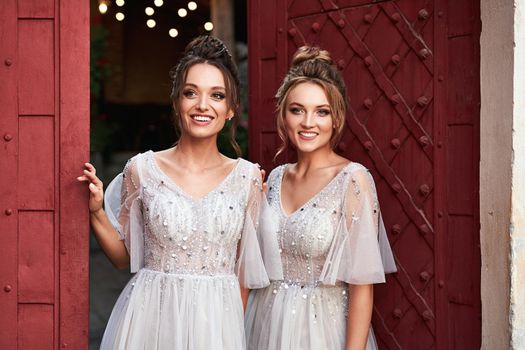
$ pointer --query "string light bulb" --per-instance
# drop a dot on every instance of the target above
(119, 3)
(173, 32)
(119, 16)
(103, 7)
(192, 5)
(151, 23)
(182, 12)
(158, 3)
(208, 26)
(149, 11)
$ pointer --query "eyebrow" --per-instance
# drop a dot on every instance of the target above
(300, 105)
(212, 88)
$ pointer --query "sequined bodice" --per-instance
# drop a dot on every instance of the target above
(184, 235)
(305, 236)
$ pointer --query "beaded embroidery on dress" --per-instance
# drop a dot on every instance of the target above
(335, 238)
(185, 294)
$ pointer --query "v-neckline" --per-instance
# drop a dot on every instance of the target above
(311, 199)
(174, 184)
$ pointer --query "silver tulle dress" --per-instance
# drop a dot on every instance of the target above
(190, 257)
(335, 239)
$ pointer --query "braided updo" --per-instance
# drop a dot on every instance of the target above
(210, 50)
(313, 65)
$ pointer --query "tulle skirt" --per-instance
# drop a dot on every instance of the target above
(294, 317)
(184, 312)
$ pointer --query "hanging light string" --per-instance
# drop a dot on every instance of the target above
(103, 7)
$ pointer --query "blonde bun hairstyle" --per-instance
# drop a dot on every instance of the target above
(310, 64)
(307, 53)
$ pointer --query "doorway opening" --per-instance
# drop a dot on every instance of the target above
(134, 45)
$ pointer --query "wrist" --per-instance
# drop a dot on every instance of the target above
(96, 212)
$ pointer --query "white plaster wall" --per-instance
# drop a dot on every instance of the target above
(497, 47)
(517, 219)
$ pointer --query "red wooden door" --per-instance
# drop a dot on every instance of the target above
(412, 69)
(44, 128)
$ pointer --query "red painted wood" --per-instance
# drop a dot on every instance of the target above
(44, 138)
(36, 9)
(36, 70)
(35, 327)
(441, 115)
(36, 163)
(412, 72)
(9, 184)
(36, 257)
(73, 64)
(463, 279)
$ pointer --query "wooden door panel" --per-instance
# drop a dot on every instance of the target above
(44, 139)
(9, 184)
(36, 9)
(36, 170)
(36, 257)
(73, 247)
(36, 72)
(35, 327)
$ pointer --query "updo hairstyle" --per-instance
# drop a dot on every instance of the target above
(313, 65)
(210, 50)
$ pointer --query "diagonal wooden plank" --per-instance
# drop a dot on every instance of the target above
(328, 5)
(416, 215)
(412, 299)
(314, 30)
(386, 85)
(410, 34)
(415, 298)
(296, 35)
(418, 110)
(381, 329)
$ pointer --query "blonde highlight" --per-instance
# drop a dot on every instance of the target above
(313, 65)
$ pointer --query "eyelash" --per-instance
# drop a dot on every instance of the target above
(189, 93)
(216, 95)
(320, 112)
(323, 112)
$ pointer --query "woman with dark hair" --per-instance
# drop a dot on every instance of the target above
(185, 220)
(324, 210)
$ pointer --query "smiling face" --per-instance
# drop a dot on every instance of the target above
(308, 118)
(203, 107)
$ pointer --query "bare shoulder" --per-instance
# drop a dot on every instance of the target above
(340, 163)
(164, 156)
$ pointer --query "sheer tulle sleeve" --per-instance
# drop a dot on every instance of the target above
(250, 267)
(123, 207)
(267, 236)
(360, 252)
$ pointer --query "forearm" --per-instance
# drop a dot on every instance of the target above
(109, 239)
(361, 300)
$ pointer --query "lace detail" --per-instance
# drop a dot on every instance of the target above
(193, 236)
(309, 237)
(167, 230)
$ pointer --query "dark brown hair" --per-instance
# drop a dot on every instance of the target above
(210, 50)
(313, 65)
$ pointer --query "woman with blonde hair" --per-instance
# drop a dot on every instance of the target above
(325, 214)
